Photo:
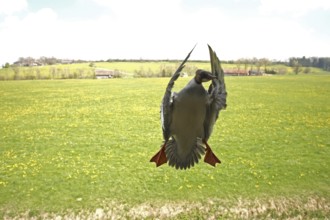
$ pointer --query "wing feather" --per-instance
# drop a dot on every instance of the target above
(217, 94)
(167, 102)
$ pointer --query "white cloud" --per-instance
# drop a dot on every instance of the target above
(8, 7)
(125, 7)
(166, 30)
(28, 36)
(275, 38)
(295, 8)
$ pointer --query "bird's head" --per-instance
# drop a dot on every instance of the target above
(203, 76)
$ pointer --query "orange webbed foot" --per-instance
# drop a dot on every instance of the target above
(160, 157)
(210, 157)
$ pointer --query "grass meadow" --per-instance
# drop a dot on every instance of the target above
(81, 149)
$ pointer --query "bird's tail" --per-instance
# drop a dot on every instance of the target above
(187, 160)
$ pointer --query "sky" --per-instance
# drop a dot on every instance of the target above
(163, 29)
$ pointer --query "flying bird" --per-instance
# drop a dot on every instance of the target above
(188, 117)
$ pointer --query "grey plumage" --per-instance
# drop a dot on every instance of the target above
(166, 105)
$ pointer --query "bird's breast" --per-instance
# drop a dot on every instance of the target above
(188, 116)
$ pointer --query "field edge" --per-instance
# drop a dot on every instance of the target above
(240, 208)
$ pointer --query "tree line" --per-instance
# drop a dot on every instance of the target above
(298, 64)
(30, 61)
(319, 62)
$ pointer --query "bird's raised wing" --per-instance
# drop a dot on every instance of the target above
(217, 93)
(166, 105)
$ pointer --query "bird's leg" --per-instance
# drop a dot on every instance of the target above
(160, 156)
(210, 157)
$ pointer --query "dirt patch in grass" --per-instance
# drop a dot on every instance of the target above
(287, 208)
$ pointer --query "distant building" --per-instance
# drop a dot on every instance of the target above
(104, 73)
(235, 72)
(66, 61)
(255, 73)
(19, 63)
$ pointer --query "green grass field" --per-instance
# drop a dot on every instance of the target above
(81, 148)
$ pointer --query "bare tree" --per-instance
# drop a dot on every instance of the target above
(296, 66)
(238, 64)
(258, 64)
(16, 72)
(245, 62)
(265, 62)
(253, 62)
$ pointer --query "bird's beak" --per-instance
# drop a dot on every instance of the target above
(208, 76)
